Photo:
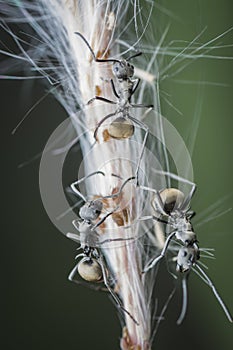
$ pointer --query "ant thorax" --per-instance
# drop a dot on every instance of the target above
(179, 221)
(88, 237)
(124, 71)
(125, 93)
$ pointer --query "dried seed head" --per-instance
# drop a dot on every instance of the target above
(90, 270)
(121, 128)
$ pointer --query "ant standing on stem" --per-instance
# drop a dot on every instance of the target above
(92, 266)
(171, 204)
(122, 127)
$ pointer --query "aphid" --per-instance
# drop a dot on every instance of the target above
(122, 127)
(171, 204)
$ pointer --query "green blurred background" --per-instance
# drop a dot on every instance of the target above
(41, 309)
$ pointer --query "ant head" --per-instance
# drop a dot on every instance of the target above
(123, 70)
(90, 270)
(186, 258)
(91, 210)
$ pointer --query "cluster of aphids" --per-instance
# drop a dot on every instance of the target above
(170, 206)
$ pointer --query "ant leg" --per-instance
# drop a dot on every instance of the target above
(114, 89)
(135, 86)
(116, 240)
(92, 52)
(141, 154)
(75, 190)
(134, 55)
(154, 261)
(146, 129)
(101, 122)
(185, 300)
(113, 294)
(119, 177)
(72, 273)
(76, 224)
(73, 236)
(149, 217)
(208, 281)
(104, 218)
(158, 196)
(121, 188)
(100, 98)
(141, 106)
(110, 196)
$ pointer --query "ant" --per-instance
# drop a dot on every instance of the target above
(174, 209)
(122, 127)
(92, 266)
(171, 204)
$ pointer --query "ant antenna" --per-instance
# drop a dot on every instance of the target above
(134, 55)
(185, 300)
(92, 52)
(208, 281)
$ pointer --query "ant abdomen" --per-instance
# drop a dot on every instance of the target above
(172, 198)
(121, 128)
(90, 270)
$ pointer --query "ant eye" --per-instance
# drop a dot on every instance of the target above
(185, 253)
